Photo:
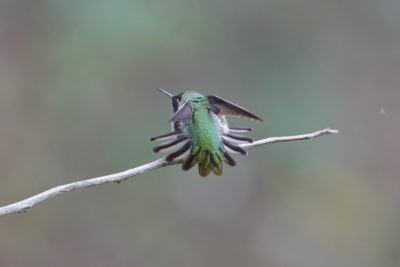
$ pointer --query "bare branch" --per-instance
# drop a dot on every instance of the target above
(25, 204)
(271, 140)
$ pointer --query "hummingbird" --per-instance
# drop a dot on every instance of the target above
(201, 134)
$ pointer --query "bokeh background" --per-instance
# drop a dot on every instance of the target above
(78, 99)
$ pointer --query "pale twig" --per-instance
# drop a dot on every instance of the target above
(25, 204)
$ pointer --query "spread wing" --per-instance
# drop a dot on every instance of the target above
(184, 113)
(226, 108)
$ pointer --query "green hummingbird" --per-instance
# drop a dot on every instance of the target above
(201, 134)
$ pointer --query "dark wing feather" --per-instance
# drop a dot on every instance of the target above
(162, 136)
(234, 147)
(226, 108)
(169, 144)
(240, 129)
(228, 159)
(179, 152)
(189, 162)
(240, 138)
(184, 113)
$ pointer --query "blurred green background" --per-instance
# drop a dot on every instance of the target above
(78, 99)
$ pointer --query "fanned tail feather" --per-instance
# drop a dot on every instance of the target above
(207, 161)
(212, 162)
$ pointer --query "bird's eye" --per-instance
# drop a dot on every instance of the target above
(178, 97)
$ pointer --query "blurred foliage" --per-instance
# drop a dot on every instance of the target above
(78, 100)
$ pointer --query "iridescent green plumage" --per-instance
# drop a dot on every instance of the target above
(199, 123)
(204, 133)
